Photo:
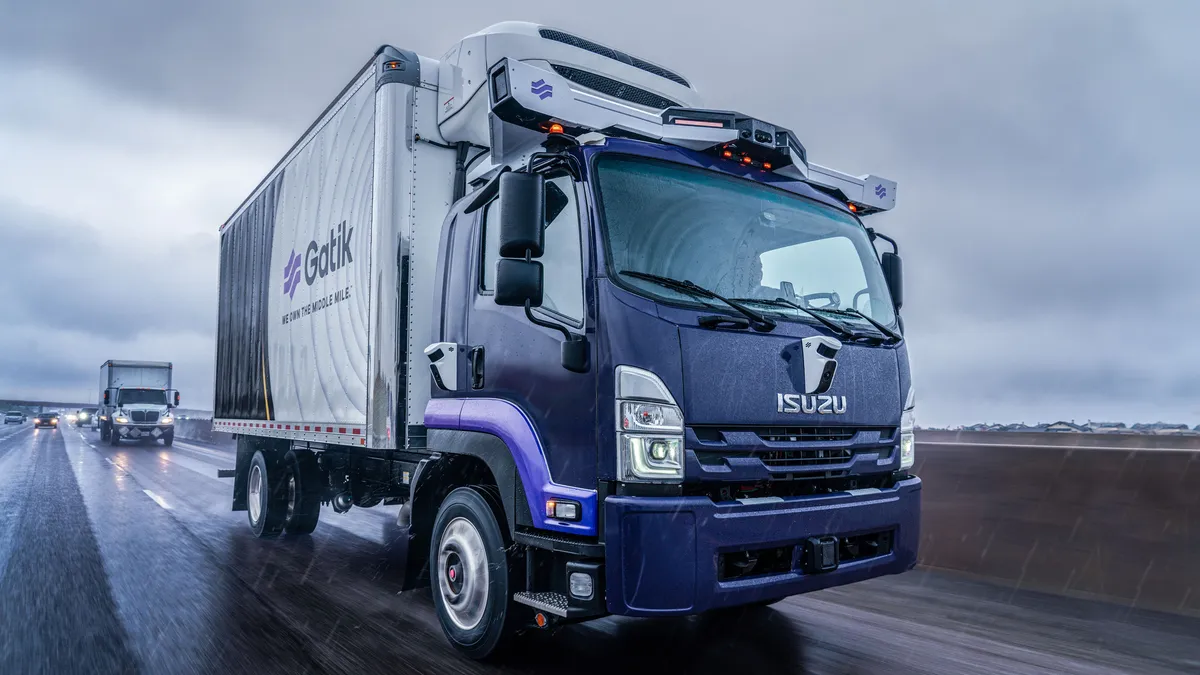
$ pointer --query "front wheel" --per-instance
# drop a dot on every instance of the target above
(169, 438)
(472, 576)
(114, 438)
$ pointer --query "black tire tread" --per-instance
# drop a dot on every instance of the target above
(307, 512)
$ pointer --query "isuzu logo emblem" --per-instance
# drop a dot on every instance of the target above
(818, 365)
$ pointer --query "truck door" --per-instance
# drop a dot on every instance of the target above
(521, 362)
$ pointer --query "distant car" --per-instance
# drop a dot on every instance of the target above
(46, 420)
(13, 417)
(85, 417)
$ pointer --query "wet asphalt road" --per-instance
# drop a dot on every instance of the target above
(128, 560)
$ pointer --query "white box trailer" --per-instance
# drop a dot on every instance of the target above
(141, 374)
(325, 280)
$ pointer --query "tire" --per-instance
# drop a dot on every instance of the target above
(169, 439)
(104, 432)
(266, 504)
(114, 438)
(467, 539)
(302, 490)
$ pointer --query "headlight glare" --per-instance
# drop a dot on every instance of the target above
(167, 419)
(122, 419)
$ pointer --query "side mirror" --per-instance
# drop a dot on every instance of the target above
(107, 397)
(893, 274)
(522, 215)
(173, 395)
(518, 282)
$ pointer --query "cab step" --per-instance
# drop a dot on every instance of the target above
(549, 602)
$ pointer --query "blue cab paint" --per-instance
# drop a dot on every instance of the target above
(661, 552)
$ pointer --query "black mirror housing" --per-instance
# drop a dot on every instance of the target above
(518, 282)
(893, 274)
(522, 215)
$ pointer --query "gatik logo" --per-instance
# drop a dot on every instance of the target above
(324, 259)
(541, 89)
(291, 275)
(801, 403)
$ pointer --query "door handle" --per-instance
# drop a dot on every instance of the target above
(475, 358)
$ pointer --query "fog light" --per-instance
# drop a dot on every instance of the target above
(562, 510)
(659, 450)
(581, 586)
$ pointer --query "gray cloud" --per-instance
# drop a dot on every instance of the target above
(64, 276)
(1045, 155)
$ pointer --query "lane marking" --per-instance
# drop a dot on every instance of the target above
(158, 500)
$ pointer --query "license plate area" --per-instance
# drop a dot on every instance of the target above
(820, 554)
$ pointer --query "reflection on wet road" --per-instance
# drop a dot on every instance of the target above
(127, 559)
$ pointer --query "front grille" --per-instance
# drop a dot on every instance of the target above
(588, 45)
(806, 434)
(804, 457)
(611, 87)
(144, 416)
(806, 452)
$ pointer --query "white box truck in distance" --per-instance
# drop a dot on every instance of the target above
(610, 352)
(136, 399)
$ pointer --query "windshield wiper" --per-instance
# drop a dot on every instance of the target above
(760, 322)
(891, 335)
(835, 327)
(896, 337)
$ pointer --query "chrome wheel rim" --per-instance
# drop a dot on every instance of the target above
(254, 493)
(463, 578)
(291, 507)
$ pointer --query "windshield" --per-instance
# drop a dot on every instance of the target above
(143, 396)
(738, 238)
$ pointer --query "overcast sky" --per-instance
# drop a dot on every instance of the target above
(1045, 152)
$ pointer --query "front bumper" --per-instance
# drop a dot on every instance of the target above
(143, 430)
(662, 553)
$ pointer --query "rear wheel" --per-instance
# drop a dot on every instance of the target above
(266, 506)
(472, 576)
(302, 485)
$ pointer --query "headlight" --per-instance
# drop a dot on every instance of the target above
(908, 448)
(121, 419)
(166, 419)
(650, 417)
(650, 429)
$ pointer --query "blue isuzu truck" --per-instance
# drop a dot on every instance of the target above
(611, 352)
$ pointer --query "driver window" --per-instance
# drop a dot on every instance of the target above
(562, 261)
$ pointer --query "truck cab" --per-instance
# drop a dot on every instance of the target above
(736, 427)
